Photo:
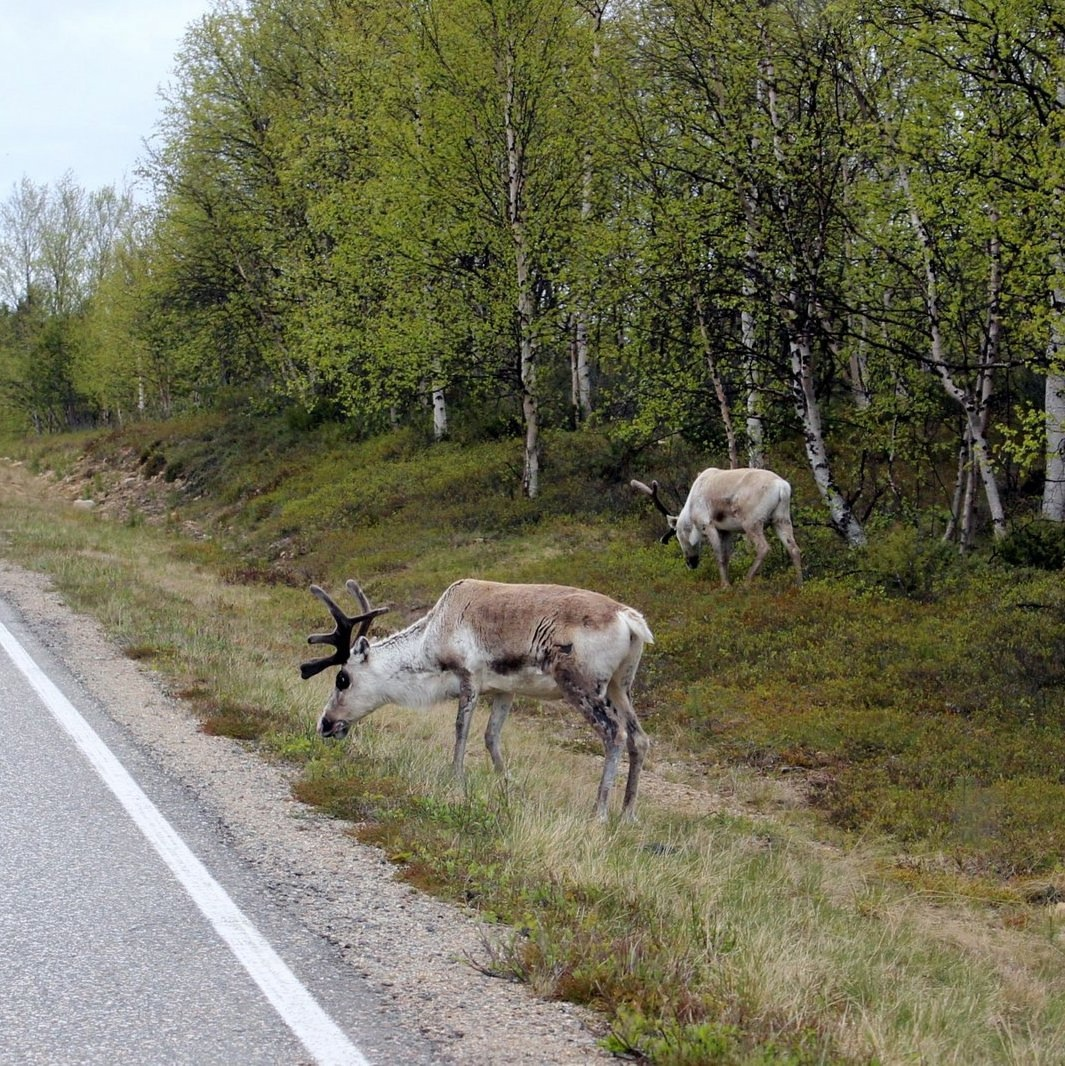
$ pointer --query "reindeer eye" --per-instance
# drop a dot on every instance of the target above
(343, 679)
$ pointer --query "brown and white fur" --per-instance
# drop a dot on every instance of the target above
(499, 640)
(722, 503)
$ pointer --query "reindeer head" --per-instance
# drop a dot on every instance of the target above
(689, 540)
(344, 705)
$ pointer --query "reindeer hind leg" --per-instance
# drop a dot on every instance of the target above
(786, 533)
(603, 717)
(637, 741)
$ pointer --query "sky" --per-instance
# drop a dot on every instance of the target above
(79, 86)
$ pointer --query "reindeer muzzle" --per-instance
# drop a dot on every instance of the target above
(333, 730)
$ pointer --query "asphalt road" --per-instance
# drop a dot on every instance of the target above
(129, 933)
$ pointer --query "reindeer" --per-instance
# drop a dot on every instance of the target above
(721, 504)
(498, 640)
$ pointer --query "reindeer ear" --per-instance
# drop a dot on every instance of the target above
(672, 520)
(360, 650)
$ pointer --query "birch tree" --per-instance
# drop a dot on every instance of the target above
(505, 125)
(974, 397)
(594, 110)
(965, 148)
(22, 241)
(813, 167)
(751, 125)
(701, 66)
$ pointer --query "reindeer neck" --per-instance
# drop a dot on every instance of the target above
(407, 673)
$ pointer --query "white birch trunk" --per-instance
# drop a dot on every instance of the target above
(748, 338)
(582, 372)
(719, 386)
(752, 376)
(956, 497)
(806, 405)
(1053, 507)
(525, 302)
(580, 369)
(752, 372)
(581, 398)
(1054, 489)
(968, 512)
(439, 414)
(530, 409)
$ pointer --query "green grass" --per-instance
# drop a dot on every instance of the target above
(874, 759)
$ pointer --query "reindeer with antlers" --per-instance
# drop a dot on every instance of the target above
(721, 504)
(498, 640)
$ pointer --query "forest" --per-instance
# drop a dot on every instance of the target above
(835, 224)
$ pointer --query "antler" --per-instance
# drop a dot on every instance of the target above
(653, 493)
(657, 501)
(341, 637)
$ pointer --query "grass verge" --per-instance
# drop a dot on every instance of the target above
(709, 931)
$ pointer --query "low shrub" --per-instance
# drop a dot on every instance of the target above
(1039, 544)
(909, 562)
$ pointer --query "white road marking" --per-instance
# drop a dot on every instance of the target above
(318, 1033)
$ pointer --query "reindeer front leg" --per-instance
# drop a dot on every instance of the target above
(756, 535)
(721, 542)
(467, 702)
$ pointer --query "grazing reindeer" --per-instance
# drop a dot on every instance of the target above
(721, 504)
(492, 639)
